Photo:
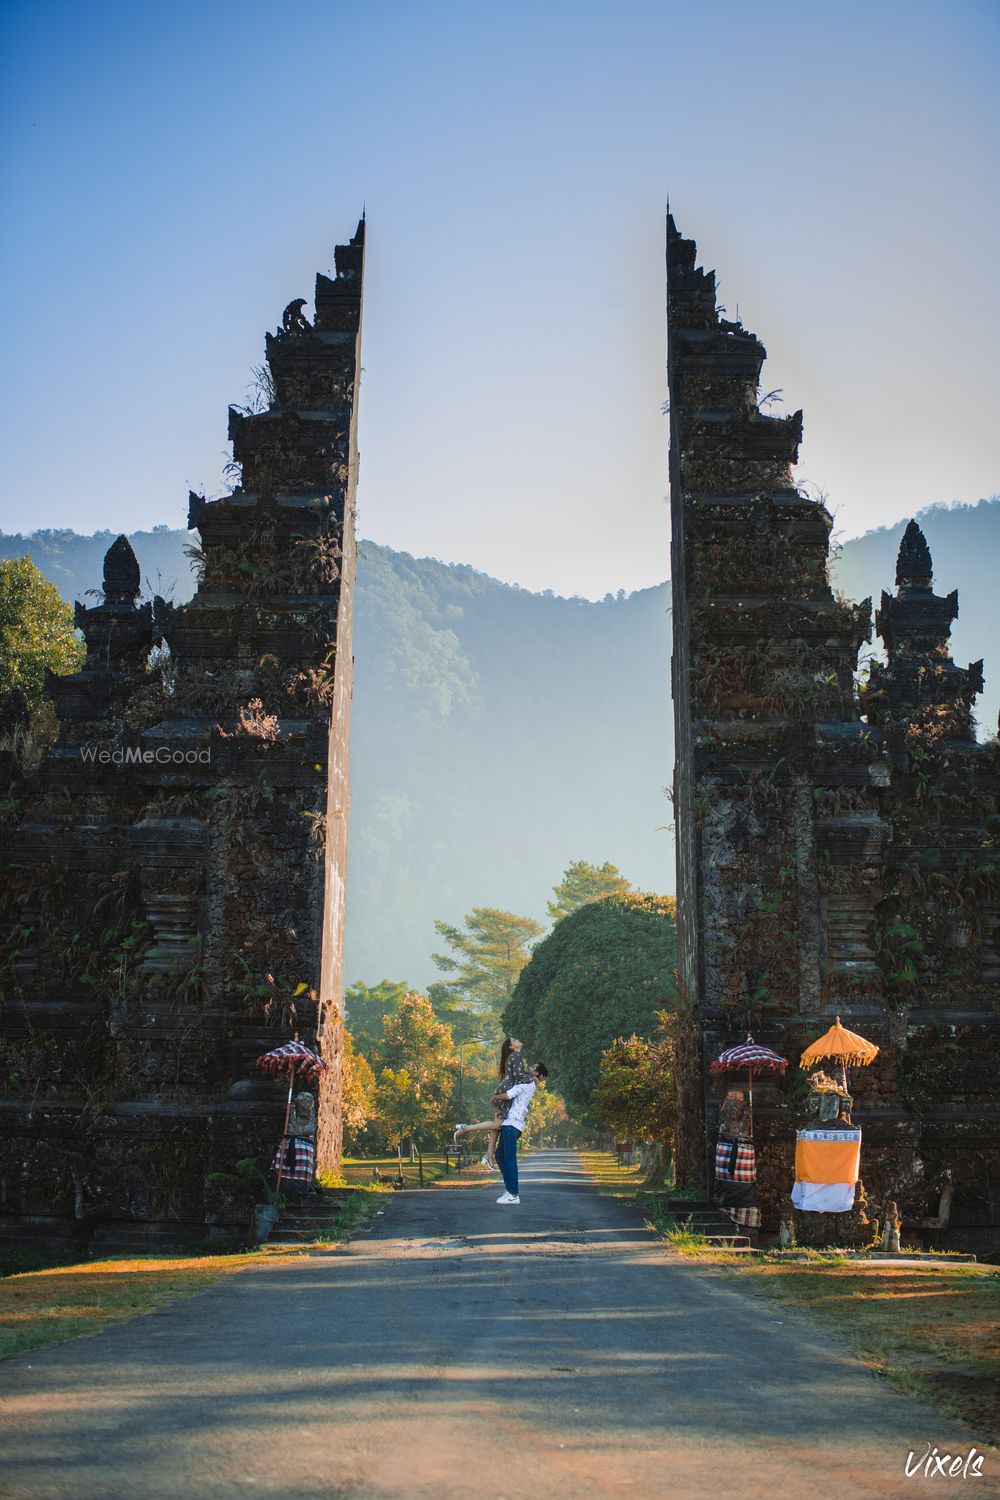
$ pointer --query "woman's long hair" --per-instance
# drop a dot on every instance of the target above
(505, 1051)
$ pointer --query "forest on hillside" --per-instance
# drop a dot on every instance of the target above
(499, 734)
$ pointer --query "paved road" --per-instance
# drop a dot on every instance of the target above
(464, 1351)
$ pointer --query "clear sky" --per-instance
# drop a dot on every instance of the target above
(174, 174)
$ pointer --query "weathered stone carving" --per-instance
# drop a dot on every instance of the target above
(293, 320)
(172, 892)
(122, 579)
(836, 849)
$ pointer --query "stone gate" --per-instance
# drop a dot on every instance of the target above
(838, 833)
(173, 865)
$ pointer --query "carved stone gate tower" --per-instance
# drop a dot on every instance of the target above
(838, 842)
(173, 867)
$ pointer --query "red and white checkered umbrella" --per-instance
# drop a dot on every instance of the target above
(295, 1055)
(755, 1058)
(750, 1054)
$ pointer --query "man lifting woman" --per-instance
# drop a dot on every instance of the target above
(511, 1101)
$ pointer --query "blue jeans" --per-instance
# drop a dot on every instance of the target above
(507, 1157)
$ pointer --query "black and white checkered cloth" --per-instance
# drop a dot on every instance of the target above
(736, 1181)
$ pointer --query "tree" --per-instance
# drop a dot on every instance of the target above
(636, 1095)
(489, 954)
(365, 1007)
(466, 1024)
(546, 1113)
(603, 972)
(415, 1068)
(582, 883)
(358, 1087)
(397, 1100)
(36, 629)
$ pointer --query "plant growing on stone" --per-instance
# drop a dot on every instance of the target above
(246, 1180)
(255, 723)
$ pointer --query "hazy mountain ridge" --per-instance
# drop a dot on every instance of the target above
(499, 734)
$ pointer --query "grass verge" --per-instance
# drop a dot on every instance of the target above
(60, 1302)
(65, 1302)
(610, 1178)
(358, 1209)
(356, 1171)
(931, 1331)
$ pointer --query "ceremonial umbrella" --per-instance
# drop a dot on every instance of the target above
(298, 1059)
(750, 1055)
(843, 1046)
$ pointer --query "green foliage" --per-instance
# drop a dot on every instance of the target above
(246, 1180)
(366, 1006)
(547, 1115)
(583, 882)
(466, 1024)
(683, 1237)
(36, 630)
(487, 956)
(635, 1097)
(414, 1065)
(358, 1084)
(397, 1100)
(604, 972)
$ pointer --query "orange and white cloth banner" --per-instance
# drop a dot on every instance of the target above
(827, 1164)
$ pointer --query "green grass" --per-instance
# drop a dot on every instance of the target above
(356, 1171)
(608, 1177)
(353, 1214)
(932, 1331)
(55, 1302)
(680, 1237)
(65, 1302)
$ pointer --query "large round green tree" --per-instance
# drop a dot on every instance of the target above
(602, 973)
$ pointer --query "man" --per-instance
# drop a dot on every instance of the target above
(520, 1097)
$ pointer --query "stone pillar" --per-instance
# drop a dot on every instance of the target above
(178, 862)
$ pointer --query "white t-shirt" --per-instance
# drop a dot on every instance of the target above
(520, 1097)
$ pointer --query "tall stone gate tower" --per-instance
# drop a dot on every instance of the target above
(837, 840)
(174, 865)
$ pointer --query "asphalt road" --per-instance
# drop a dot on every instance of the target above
(464, 1351)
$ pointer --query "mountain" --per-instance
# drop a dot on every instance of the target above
(498, 734)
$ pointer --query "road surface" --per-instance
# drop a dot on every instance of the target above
(464, 1351)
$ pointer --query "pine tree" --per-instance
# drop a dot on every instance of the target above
(583, 883)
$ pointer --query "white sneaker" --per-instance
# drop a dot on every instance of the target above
(508, 1198)
(458, 1132)
(484, 1161)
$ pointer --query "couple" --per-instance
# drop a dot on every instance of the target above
(512, 1098)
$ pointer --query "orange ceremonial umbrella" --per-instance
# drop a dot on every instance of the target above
(840, 1045)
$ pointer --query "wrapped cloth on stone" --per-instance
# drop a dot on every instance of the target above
(827, 1167)
(297, 1152)
(736, 1162)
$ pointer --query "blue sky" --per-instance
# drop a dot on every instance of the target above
(173, 176)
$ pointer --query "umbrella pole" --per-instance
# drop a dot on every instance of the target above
(750, 1075)
(284, 1134)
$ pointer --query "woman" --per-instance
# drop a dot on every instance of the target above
(513, 1069)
